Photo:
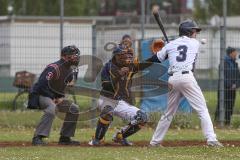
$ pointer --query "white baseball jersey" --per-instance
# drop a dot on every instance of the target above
(181, 52)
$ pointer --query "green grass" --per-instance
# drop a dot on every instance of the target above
(30, 118)
(19, 126)
(25, 134)
(211, 99)
(84, 102)
(130, 153)
(6, 101)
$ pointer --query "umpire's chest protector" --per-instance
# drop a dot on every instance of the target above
(64, 75)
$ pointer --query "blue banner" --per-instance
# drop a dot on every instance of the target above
(158, 103)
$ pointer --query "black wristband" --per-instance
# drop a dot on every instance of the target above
(154, 58)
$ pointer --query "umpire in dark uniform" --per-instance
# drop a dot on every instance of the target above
(48, 95)
(231, 83)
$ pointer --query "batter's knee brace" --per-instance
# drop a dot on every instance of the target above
(140, 118)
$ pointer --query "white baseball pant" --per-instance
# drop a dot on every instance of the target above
(184, 85)
(122, 109)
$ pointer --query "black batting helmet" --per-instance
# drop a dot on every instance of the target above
(186, 27)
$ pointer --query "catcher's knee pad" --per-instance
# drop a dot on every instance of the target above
(106, 117)
(140, 118)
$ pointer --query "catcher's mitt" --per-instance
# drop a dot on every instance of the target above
(157, 45)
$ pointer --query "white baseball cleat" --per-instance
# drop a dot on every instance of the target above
(214, 144)
(155, 145)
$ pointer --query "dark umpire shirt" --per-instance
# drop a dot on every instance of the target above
(53, 80)
(114, 85)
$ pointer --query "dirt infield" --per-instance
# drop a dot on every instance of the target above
(136, 144)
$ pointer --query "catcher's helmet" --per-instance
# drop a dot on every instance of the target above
(186, 28)
(121, 49)
(122, 57)
(126, 36)
(72, 54)
(118, 50)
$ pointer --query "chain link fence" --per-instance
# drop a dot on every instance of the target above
(30, 44)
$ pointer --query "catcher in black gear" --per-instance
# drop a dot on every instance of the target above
(115, 97)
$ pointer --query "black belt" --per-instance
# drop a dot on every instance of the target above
(183, 72)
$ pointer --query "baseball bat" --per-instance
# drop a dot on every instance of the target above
(160, 24)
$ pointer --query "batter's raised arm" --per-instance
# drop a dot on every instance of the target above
(155, 58)
(159, 57)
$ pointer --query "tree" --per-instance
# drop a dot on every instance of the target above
(82, 8)
(200, 12)
(214, 7)
(51, 7)
(3, 7)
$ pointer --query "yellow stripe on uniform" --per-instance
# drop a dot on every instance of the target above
(103, 121)
(117, 89)
(112, 74)
(128, 79)
(105, 82)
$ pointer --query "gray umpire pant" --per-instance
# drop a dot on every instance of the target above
(50, 109)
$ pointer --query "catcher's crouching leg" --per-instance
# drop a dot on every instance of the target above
(134, 126)
(106, 117)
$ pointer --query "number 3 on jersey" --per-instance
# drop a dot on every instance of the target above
(182, 53)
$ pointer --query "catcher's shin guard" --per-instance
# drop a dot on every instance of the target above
(139, 120)
(129, 130)
(104, 122)
(102, 127)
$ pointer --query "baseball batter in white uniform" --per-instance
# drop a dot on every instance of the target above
(182, 53)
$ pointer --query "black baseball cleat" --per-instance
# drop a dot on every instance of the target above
(38, 141)
(94, 142)
(117, 138)
(67, 141)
